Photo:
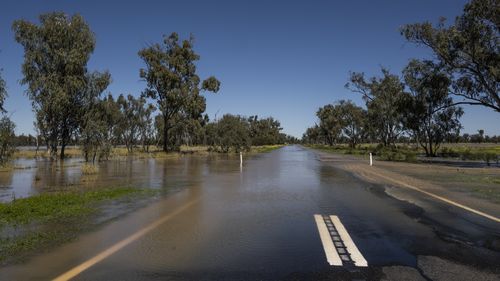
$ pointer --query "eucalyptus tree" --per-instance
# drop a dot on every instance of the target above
(7, 138)
(330, 124)
(146, 126)
(98, 127)
(429, 112)
(6, 127)
(172, 79)
(229, 132)
(3, 92)
(384, 99)
(135, 117)
(353, 120)
(56, 53)
(264, 131)
(312, 135)
(469, 49)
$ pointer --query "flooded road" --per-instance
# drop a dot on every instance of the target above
(256, 223)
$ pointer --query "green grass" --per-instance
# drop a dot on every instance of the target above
(59, 205)
(489, 153)
(265, 148)
(37, 222)
(340, 149)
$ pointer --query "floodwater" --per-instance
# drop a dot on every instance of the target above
(256, 223)
(34, 176)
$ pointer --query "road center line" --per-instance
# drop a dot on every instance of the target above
(451, 202)
(355, 254)
(121, 244)
(332, 256)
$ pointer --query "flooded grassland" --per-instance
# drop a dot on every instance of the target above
(44, 203)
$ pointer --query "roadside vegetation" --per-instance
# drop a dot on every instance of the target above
(34, 223)
(418, 111)
(487, 152)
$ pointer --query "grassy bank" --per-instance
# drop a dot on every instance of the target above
(489, 153)
(482, 183)
(37, 222)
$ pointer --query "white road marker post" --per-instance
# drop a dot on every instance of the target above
(241, 159)
(371, 159)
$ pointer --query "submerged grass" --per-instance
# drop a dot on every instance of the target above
(33, 223)
(137, 152)
(89, 169)
(58, 205)
(265, 148)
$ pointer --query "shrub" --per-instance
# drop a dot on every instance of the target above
(396, 154)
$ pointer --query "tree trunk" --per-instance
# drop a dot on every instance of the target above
(165, 133)
(63, 146)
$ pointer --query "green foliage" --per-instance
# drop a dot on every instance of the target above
(237, 133)
(3, 92)
(97, 124)
(384, 101)
(468, 154)
(342, 121)
(312, 135)
(172, 81)
(56, 53)
(396, 154)
(469, 49)
(265, 131)
(135, 121)
(428, 110)
(7, 136)
(230, 132)
(330, 126)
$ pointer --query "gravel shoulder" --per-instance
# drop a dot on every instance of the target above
(473, 187)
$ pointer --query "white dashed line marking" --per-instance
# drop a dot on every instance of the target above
(339, 248)
(355, 254)
(332, 256)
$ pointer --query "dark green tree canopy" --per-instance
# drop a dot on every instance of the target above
(3, 92)
(383, 97)
(56, 53)
(173, 82)
(469, 49)
(428, 110)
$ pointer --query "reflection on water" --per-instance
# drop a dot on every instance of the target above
(34, 176)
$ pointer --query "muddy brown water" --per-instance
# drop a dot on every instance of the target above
(256, 223)
(34, 176)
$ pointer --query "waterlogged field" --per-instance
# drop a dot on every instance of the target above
(44, 203)
(138, 152)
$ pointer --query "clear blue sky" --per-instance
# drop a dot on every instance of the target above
(282, 59)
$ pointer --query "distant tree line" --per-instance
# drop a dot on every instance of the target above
(71, 108)
(235, 132)
(421, 105)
